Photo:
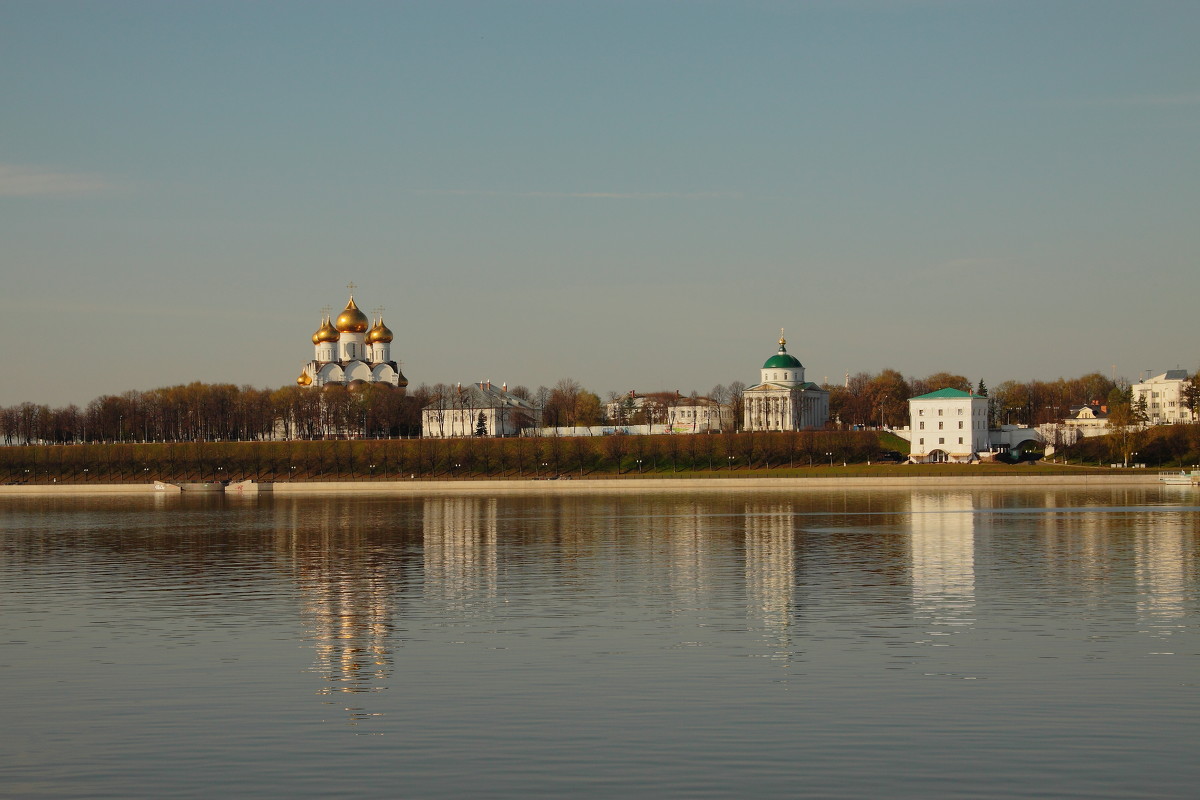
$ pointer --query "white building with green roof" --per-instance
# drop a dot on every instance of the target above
(948, 425)
(783, 400)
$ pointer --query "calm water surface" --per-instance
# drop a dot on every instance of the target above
(949, 643)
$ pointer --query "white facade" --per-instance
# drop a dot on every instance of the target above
(1163, 395)
(948, 425)
(1085, 421)
(783, 400)
(350, 351)
(669, 412)
(459, 414)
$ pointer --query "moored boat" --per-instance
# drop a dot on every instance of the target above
(1180, 478)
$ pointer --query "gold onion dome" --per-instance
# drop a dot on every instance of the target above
(325, 333)
(304, 380)
(351, 320)
(380, 333)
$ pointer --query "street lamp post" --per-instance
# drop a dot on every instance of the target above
(830, 455)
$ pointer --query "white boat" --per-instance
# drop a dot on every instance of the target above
(1181, 478)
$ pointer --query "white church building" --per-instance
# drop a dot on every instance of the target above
(478, 409)
(352, 351)
(782, 400)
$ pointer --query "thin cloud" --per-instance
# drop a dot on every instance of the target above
(29, 181)
(588, 195)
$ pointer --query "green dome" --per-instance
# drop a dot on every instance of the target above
(782, 360)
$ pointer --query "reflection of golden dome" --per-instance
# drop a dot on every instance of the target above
(325, 333)
(351, 320)
(379, 333)
(304, 380)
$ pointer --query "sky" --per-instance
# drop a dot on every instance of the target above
(634, 195)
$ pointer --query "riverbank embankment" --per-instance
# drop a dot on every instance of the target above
(608, 486)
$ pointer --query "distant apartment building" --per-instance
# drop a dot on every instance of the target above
(1163, 396)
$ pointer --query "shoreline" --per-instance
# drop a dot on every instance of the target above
(599, 486)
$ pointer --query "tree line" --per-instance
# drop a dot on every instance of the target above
(225, 412)
(469, 457)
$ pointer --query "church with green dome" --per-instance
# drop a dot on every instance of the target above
(783, 400)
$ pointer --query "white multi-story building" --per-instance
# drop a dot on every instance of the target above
(479, 409)
(1164, 399)
(352, 351)
(783, 400)
(948, 425)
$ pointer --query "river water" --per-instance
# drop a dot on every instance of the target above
(994, 644)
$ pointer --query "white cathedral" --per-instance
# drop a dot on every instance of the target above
(783, 400)
(352, 351)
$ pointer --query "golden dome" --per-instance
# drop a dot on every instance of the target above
(304, 380)
(325, 333)
(379, 333)
(351, 320)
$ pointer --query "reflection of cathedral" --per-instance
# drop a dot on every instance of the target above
(347, 606)
(352, 351)
(771, 566)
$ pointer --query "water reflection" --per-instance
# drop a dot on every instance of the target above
(347, 602)
(942, 550)
(459, 535)
(771, 569)
(1164, 552)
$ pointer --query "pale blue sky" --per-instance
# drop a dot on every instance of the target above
(631, 194)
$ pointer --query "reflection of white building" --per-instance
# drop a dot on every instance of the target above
(352, 351)
(783, 400)
(460, 549)
(1163, 395)
(771, 563)
(478, 409)
(942, 547)
(1161, 568)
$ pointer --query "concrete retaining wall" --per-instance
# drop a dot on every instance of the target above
(563, 486)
